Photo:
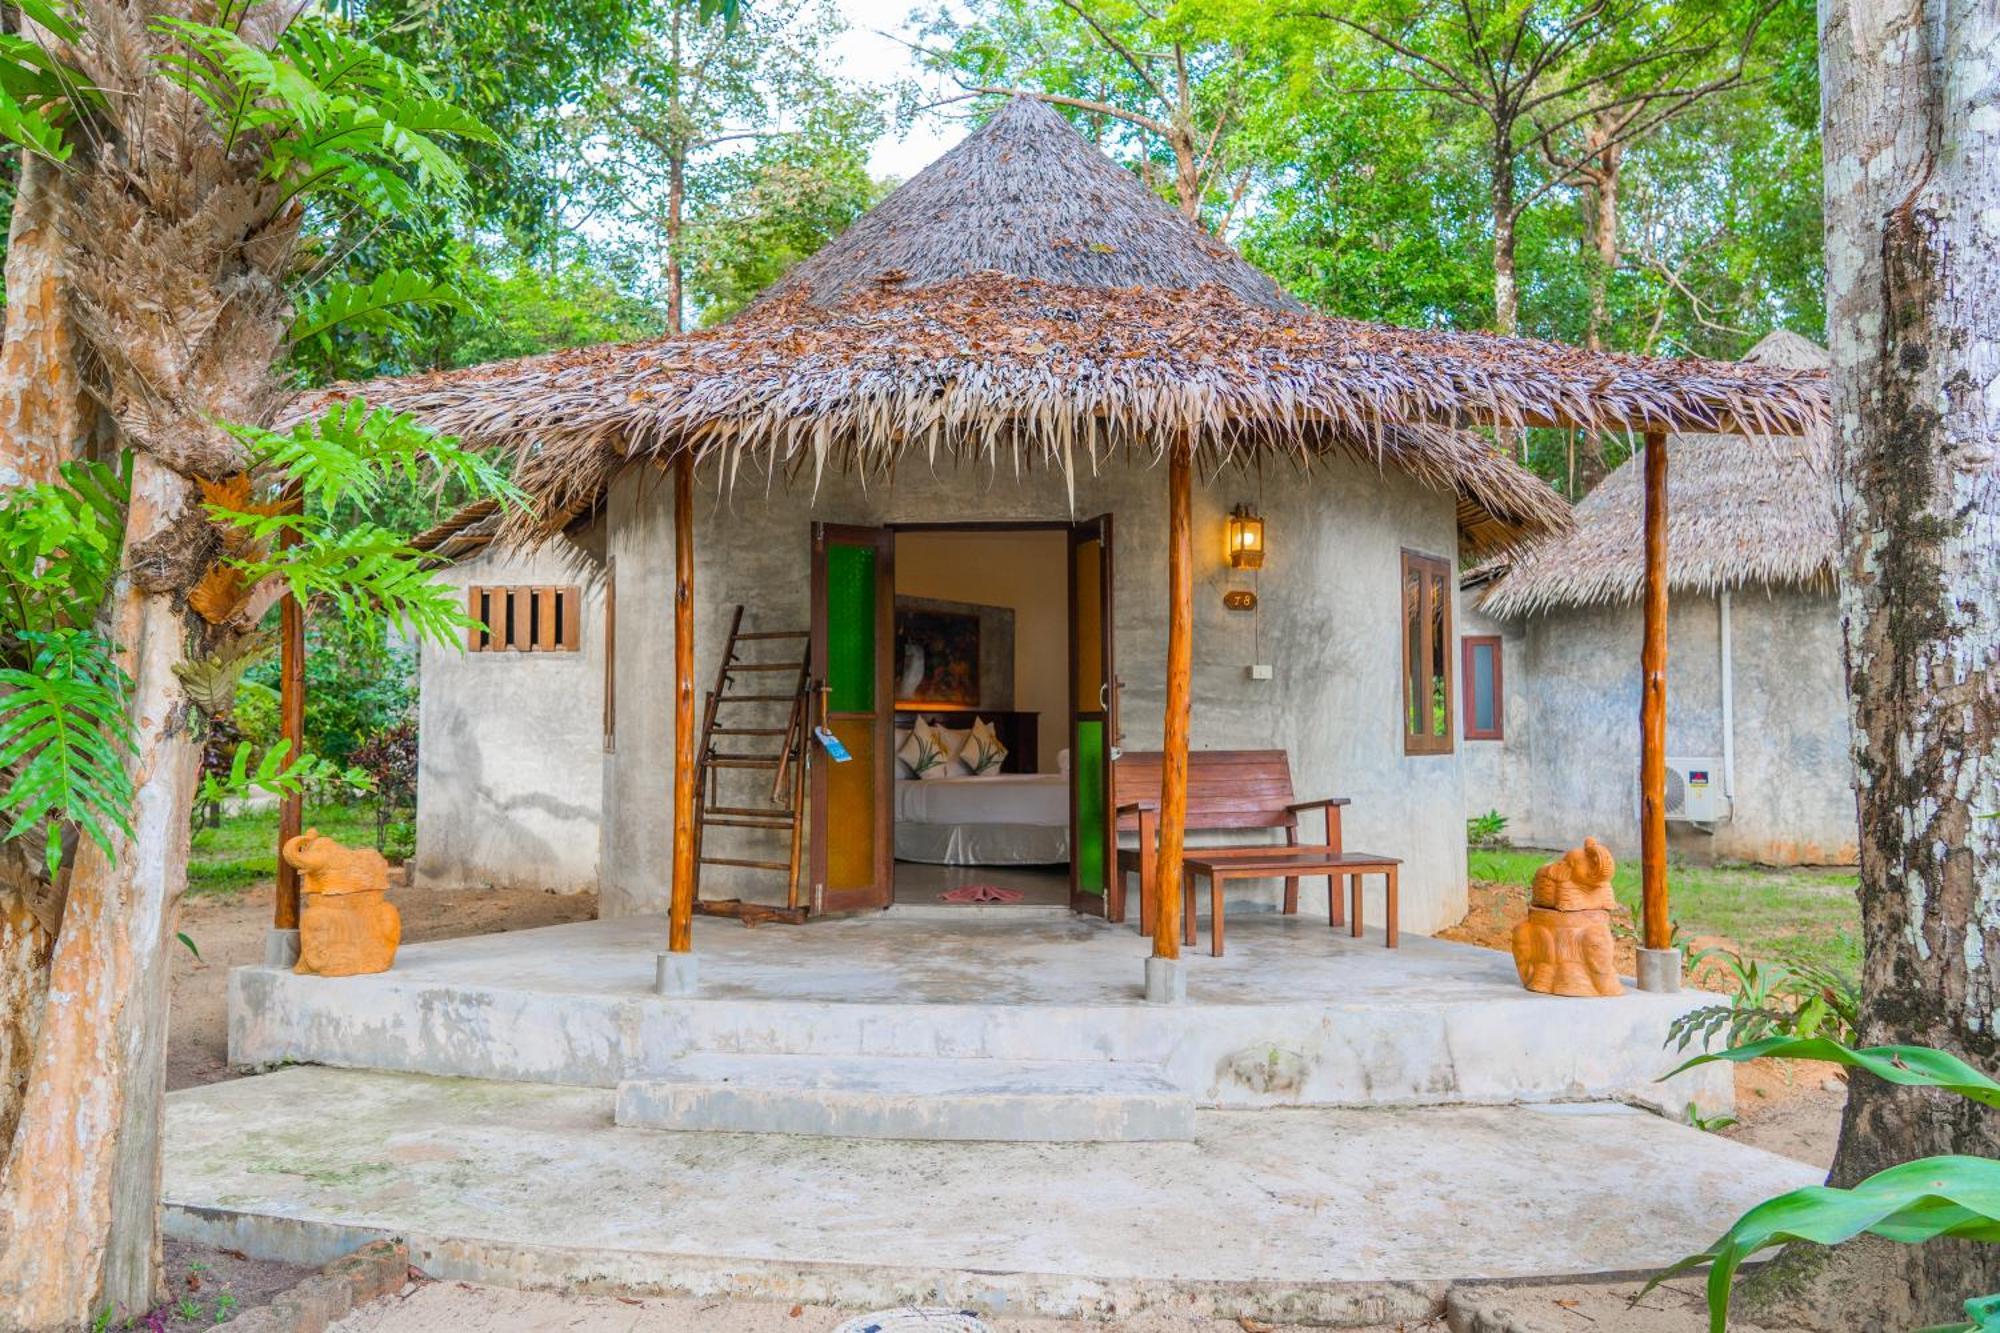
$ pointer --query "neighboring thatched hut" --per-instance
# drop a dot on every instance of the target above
(1023, 339)
(1757, 722)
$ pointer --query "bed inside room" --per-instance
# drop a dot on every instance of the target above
(982, 807)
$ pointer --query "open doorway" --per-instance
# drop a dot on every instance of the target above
(982, 684)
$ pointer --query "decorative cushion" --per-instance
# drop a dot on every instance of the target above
(955, 740)
(983, 753)
(924, 752)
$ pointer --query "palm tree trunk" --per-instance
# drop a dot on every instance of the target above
(78, 1195)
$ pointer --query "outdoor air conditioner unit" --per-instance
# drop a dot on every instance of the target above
(1694, 791)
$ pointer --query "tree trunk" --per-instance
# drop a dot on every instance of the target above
(45, 417)
(1601, 185)
(44, 414)
(1506, 299)
(676, 273)
(1912, 156)
(79, 1193)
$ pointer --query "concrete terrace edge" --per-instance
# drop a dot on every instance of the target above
(1525, 1049)
(552, 1267)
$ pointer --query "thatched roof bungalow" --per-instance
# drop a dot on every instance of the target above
(1023, 340)
(1756, 706)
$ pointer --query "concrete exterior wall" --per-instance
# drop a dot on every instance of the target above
(1568, 766)
(1329, 626)
(509, 767)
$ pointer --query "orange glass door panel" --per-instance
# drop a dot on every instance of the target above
(853, 595)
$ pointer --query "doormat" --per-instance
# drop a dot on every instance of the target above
(980, 893)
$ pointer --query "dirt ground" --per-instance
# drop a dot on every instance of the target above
(1793, 1110)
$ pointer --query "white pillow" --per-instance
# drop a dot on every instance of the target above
(954, 740)
(924, 752)
(983, 752)
(1062, 760)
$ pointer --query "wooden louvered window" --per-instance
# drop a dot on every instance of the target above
(1426, 595)
(524, 619)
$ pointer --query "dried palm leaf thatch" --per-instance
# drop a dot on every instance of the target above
(1026, 195)
(1738, 512)
(1023, 302)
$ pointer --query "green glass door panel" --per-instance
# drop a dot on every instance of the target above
(850, 628)
(1086, 762)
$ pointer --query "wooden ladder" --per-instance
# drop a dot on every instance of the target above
(734, 724)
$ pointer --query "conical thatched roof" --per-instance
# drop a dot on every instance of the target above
(1025, 303)
(1738, 512)
(1027, 196)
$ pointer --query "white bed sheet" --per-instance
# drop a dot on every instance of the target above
(1001, 798)
(1007, 819)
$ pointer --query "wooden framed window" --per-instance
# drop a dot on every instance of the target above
(1485, 687)
(524, 619)
(1426, 596)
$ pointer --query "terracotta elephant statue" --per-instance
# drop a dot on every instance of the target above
(1565, 947)
(347, 927)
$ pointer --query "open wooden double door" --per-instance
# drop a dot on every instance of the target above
(852, 832)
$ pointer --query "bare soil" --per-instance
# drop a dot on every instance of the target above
(229, 929)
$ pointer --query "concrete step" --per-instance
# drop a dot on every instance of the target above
(901, 1097)
(1326, 1217)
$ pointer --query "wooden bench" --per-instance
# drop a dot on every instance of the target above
(1291, 862)
(1228, 791)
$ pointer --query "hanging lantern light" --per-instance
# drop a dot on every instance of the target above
(1246, 538)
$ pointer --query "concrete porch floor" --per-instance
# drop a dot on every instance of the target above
(1320, 1216)
(1294, 1014)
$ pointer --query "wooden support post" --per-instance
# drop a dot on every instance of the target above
(1180, 661)
(1656, 930)
(292, 728)
(680, 927)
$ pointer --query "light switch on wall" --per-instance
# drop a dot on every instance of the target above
(1259, 671)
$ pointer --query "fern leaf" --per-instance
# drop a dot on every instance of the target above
(372, 304)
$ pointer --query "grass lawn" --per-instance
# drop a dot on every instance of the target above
(244, 849)
(1808, 914)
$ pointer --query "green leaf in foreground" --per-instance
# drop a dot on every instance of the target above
(1910, 1066)
(1917, 1201)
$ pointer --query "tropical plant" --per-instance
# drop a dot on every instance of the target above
(182, 155)
(389, 760)
(1487, 830)
(1787, 998)
(1928, 1199)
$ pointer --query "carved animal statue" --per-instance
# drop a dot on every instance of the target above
(1579, 879)
(1564, 947)
(346, 927)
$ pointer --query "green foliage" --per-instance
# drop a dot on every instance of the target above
(1487, 830)
(1956, 1197)
(269, 772)
(377, 305)
(350, 452)
(59, 547)
(358, 686)
(1906, 1066)
(64, 735)
(1790, 997)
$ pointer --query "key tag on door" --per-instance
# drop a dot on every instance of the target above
(831, 744)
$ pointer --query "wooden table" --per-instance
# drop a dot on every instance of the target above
(1290, 863)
